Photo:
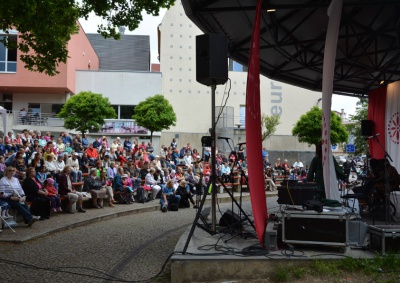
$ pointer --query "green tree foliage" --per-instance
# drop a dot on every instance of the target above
(155, 113)
(309, 128)
(269, 124)
(46, 26)
(354, 128)
(86, 111)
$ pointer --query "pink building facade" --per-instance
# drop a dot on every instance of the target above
(26, 89)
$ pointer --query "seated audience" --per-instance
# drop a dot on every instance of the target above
(11, 192)
(53, 195)
(66, 189)
(169, 197)
(93, 185)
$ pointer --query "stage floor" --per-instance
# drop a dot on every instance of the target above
(229, 256)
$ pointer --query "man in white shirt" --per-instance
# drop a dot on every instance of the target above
(298, 166)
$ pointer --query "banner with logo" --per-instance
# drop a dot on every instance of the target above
(393, 123)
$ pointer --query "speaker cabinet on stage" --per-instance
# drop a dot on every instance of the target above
(385, 238)
(298, 193)
(367, 128)
(230, 219)
(211, 59)
(309, 227)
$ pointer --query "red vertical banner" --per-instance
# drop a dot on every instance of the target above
(376, 113)
(253, 133)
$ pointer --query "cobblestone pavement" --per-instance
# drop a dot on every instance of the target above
(123, 249)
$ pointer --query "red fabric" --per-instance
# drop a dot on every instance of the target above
(376, 113)
(253, 133)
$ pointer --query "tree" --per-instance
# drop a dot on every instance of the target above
(46, 26)
(354, 128)
(269, 123)
(86, 111)
(309, 128)
(155, 113)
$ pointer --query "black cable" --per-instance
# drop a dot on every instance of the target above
(107, 277)
(224, 104)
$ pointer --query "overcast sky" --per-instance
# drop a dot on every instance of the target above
(149, 27)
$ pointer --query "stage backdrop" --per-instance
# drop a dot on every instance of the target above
(383, 109)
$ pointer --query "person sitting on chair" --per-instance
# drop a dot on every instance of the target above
(378, 180)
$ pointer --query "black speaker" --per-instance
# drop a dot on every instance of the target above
(230, 219)
(367, 128)
(211, 59)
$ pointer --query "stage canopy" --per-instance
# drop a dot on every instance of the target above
(293, 34)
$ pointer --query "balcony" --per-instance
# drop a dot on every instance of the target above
(37, 119)
(46, 121)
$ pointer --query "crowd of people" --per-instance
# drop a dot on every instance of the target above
(39, 171)
(43, 171)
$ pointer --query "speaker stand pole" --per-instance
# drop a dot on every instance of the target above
(213, 162)
(213, 229)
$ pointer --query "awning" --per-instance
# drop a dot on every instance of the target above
(293, 35)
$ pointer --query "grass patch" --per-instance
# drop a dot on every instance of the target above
(300, 272)
(384, 269)
(281, 275)
(326, 267)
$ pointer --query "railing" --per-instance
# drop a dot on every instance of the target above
(111, 126)
(37, 119)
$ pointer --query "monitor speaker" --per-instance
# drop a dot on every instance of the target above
(367, 128)
(211, 59)
(230, 219)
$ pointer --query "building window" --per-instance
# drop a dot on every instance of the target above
(123, 111)
(8, 57)
(6, 101)
(242, 113)
(126, 111)
(236, 67)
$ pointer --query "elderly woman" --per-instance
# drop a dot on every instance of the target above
(37, 194)
(65, 188)
(12, 193)
(93, 185)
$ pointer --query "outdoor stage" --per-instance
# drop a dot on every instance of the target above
(227, 256)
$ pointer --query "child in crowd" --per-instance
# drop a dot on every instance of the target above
(53, 195)
(41, 175)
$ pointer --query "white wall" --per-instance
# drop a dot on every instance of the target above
(120, 87)
(192, 100)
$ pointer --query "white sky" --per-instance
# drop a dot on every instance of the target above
(149, 27)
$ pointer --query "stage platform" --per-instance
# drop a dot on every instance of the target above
(221, 258)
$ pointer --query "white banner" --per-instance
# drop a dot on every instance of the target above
(393, 123)
(330, 181)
